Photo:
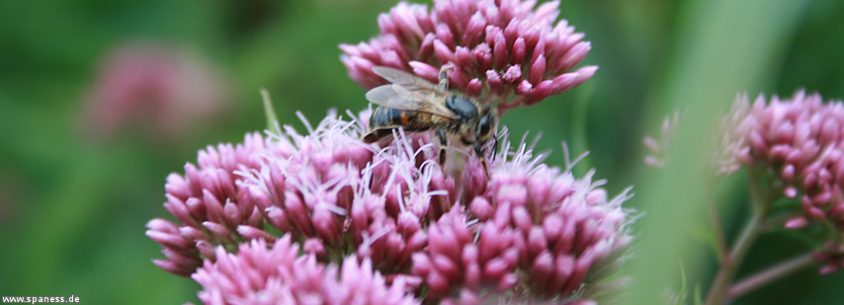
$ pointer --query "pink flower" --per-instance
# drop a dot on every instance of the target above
(154, 87)
(527, 230)
(346, 194)
(533, 227)
(258, 275)
(304, 184)
(497, 48)
(210, 205)
(801, 140)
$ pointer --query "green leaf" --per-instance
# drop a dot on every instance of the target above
(272, 118)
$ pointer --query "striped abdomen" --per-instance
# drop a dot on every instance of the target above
(384, 120)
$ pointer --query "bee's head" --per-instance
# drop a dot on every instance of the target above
(462, 106)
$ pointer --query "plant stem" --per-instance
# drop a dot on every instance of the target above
(720, 242)
(730, 264)
(760, 198)
(269, 110)
(769, 275)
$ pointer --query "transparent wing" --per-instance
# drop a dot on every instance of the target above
(403, 79)
(398, 97)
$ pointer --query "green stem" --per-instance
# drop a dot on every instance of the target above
(761, 199)
(272, 118)
(730, 264)
(770, 275)
(720, 242)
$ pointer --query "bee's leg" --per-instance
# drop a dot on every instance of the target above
(376, 135)
(441, 135)
(480, 153)
(494, 146)
(443, 77)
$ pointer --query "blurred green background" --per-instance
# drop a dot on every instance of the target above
(73, 206)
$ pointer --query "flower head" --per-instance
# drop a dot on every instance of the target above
(326, 186)
(154, 87)
(498, 49)
(527, 230)
(802, 141)
(210, 205)
(535, 232)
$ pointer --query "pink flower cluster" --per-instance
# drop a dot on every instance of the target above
(260, 275)
(391, 213)
(504, 51)
(158, 88)
(802, 140)
(210, 204)
(528, 220)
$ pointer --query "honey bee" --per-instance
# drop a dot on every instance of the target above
(417, 105)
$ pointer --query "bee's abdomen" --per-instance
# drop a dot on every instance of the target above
(410, 120)
(380, 117)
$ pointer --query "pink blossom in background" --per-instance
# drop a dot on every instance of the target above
(529, 230)
(801, 141)
(831, 257)
(512, 52)
(157, 88)
(658, 146)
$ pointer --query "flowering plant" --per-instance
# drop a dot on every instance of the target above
(324, 217)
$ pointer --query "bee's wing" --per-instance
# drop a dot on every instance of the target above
(408, 92)
(401, 98)
(403, 79)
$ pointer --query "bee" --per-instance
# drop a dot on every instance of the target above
(417, 105)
